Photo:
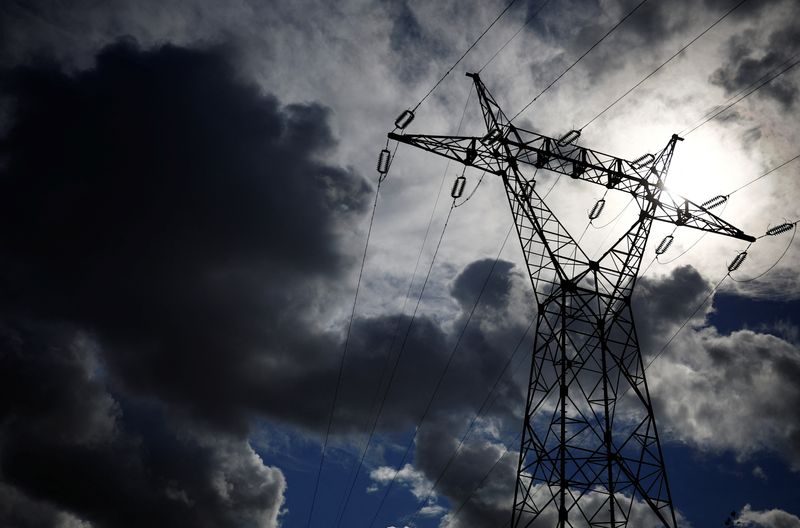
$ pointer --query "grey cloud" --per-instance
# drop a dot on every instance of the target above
(662, 304)
(487, 505)
(469, 283)
(187, 230)
(766, 518)
(415, 48)
(187, 219)
(745, 65)
(736, 392)
(74, 455)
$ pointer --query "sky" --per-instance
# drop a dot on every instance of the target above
(187, 191)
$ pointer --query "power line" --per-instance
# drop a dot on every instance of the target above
(442, 376)
(503, 12)
(635, 86)
(408, 330)
(609, 32)
(747, 87)
(483, 406)
(397, 328)
(344, 351)
(774, 264)
(761, 85)
(492, 391)
(527, 21)
(763, 175)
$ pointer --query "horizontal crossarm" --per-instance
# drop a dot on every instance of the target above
(510, 146)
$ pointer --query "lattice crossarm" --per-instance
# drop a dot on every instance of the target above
(577, 162)
(683, 212)
(480, 153)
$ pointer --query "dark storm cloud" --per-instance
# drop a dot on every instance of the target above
(746, 65)
(176, 212)
(475, 478)
(661, 304)
(575, 26)
(471, 280)
(478, 358)
(69, 446)
(185, 223)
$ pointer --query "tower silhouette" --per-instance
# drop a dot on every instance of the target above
(590, 454)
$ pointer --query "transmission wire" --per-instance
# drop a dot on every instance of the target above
(683, 325)
(763, 175)
(726, 107)
(479, 413)
(344, 350)
(527, 21)
(519, 343)
(413, 318)
(774, 264)
(635, 86)
(397, 326)
(395, 334)
(503, 12)
(744, 89)
(441, 377)
(609, 32)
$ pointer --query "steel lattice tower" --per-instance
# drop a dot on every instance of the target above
(588, 456)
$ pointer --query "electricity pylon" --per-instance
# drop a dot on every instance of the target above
(590, 455)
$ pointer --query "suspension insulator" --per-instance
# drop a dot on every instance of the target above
(643, 161)
(597, 209)
(492, 136)
(569, 137)
(714, 202)
(458, 187)
(777, 230)
(531, 185)
(404, 119)
(737, 261)
(383, 161)
(664, 245)
(471, 153)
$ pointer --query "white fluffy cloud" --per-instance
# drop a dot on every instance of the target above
(766, 519)
(733, 392)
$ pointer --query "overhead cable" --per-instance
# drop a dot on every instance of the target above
(440, 380)
(609, 32)
(344, 349)
(503, 12)
(739, 99)
(395, 335)
(527, 21)
(675, 55)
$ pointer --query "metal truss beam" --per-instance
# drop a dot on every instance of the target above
(590, 455)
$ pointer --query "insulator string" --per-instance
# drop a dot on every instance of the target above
(774, 264)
